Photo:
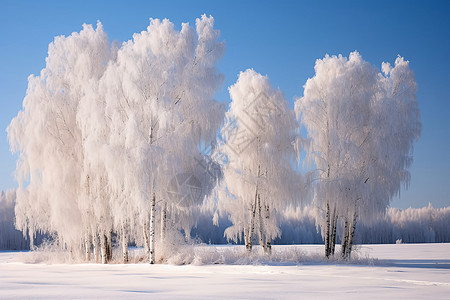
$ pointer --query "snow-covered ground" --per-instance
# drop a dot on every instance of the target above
(408, 271)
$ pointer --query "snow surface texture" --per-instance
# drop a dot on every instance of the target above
(404, 271)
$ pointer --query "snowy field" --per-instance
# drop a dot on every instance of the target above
(405, 271)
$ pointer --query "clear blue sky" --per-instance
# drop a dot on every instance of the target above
(282, 40)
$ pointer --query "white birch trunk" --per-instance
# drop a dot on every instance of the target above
(152, 229)
(146, 239)
(152, 207)
(246, 233)
(251, 229)
(327, 231)
(87, 247)
(96, 247)
(109, 246)
(328, 212)
(351, 235)
(104, 250)
(261, 229)
(31, 236)
(345, 239)
(249, 244)
(268, 237)
(163, 221)
(333, 231)
(124, 244)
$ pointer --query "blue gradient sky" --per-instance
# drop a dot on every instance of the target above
(282, 40)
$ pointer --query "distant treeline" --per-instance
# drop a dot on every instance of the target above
(412, 225)
(10, 237)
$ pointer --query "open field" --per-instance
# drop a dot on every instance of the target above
(409, 271)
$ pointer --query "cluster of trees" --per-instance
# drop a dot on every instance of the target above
(104, 129)
(120, 141)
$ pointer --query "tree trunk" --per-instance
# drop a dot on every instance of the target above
(109, 245)
(152, 229)
(96, 247)
(146, 239)
(328, 212)
(87, 247)
(345, 239)
(333, 231)
(31, 233)
(261, 228)
(327, 231)
(246, 233)
(249, 240)
(251, 229)
(163, 221)
(351, 235)
(124, 244)
(268, 237)
(104, 246)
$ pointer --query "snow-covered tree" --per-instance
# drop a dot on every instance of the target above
(104, 130)
(95, 197)
(160, 99)
(258, 144)
(49, 141)
(361, 127)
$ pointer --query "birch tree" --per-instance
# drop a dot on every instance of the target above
(49, 142)
(360, 145)
(159, 98)
(258, 144)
